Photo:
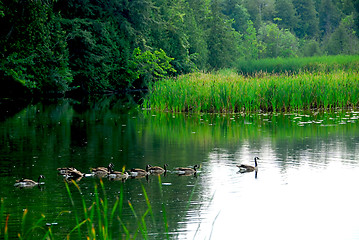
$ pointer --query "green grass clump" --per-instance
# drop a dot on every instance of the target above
(296, 65)
(228, 91)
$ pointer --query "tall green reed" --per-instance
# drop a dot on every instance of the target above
(297, 65)
(200, 92)
(97, 218)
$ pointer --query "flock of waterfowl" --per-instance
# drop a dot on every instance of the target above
(71, 173)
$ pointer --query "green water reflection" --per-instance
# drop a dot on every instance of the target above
(44, 136)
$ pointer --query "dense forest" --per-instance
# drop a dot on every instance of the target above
(54, 46)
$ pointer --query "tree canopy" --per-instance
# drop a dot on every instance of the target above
(53, 46)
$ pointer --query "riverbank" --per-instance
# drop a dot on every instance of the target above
(227, 91)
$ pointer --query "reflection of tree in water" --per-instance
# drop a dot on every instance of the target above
(10, 107)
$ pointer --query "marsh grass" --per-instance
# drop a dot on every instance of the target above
(96, 221)
(296, 65)
(227, 91)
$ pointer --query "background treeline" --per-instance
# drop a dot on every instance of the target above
(53, 46)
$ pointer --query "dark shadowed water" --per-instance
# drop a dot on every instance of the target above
(305, 188)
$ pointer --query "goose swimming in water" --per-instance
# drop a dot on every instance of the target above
(116, 175)
(138, 172)
(186, 171)
(157, 169)
(248, 168)
(102, 171)
(23, 183)
(70, 172)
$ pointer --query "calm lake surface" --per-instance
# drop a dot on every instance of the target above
(306, 186)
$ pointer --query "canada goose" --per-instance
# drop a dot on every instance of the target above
(157, 169)
(187, 171)
(138, 172)
(28, 182)
(248, 168)
(116, 175)
(70, 172)
(102, 171)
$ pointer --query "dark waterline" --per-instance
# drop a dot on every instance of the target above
(308, 164)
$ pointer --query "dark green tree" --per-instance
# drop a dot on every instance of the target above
(260, 11)
(329, 17)
(99, 54)
(171, 34)
(235, 10)
(284, 10)
(307, 19)
(343, 39)
(356, 16)
(34, 53)
(198, 50)
(223, 40)
(250, 47)
(137, 22)
(277, 42)
(309, 48)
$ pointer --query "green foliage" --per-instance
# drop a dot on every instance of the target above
(222, 39)
(197, 37)
(277, 42)
(99, 55)
(2, 14)
(34, 49)
(172, 35)
(236, 10)
(251, 48)
(285, 11)
(343, 40)
(329, 16)
(260, 11)
(55, 46)
(309, 48)
(149, 67)
(308, 22)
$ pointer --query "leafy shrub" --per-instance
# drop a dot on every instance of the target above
(148, 67)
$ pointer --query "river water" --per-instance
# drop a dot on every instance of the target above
(305, 186)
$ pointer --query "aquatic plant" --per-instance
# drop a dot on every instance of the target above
(228, 91)
(296, 65)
